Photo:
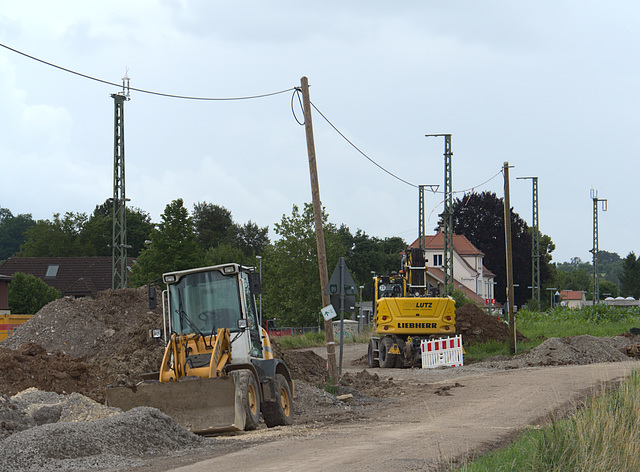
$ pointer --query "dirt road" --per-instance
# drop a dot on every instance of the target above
(438, 417)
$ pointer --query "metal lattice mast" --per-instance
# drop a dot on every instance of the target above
(535, 243)
(119, 242)
(421, 217)
(447, 214)
(595, 249)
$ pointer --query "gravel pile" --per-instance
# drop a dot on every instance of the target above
(117, 441)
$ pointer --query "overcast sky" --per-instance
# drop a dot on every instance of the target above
(549, 86)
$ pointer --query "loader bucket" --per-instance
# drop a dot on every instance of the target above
(202, 405)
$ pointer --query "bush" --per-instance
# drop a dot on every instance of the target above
(27, 294)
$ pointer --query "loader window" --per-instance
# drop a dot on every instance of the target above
(204, 302)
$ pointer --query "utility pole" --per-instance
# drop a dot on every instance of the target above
(447, 214)
(535, 243)
(595, 249)
(317, 218)
(119, 244)
(507, 240)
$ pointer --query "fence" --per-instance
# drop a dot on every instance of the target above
(442, 352)
(278, 332)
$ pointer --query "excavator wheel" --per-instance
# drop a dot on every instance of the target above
(248, 390)
(371, 356)
(387, 361)
(280, 412)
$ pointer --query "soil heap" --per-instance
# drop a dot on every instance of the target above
(476, 326)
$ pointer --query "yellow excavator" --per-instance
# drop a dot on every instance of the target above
(218, 372)
(404, 315)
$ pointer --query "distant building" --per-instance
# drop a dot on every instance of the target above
(573, 298)
(4, 294)
(469, 273)
(75, 277)
(621, 301)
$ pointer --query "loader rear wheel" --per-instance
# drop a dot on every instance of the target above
(280, 412)
(387, 361)
(371, 355)
(248, 388)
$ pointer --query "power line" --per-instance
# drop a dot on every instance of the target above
(169, 95)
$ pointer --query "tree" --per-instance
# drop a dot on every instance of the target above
(97, 234)
(291, 277)
(480, 217)
(12, 232)
(28, 294)
(57, 238)
(366, 254)
(213, 225)
(250, 238)
(630, 276)
(173, 246)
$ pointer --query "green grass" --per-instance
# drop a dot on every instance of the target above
(603, 437)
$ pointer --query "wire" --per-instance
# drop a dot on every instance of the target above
(169, 95)
(360, 151)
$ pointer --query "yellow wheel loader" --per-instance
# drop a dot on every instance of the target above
(404, 316)
(218, 372)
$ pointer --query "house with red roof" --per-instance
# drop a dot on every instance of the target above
(469, 273)
(573, 298)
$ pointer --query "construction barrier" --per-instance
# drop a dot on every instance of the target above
(445, 352)
(10, 322)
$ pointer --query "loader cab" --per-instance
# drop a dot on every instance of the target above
(203, 300)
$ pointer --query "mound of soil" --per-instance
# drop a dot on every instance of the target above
(476, 326)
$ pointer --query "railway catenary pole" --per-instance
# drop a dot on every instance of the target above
(119, 244)
(596, 249)
(535, 242)
(317, 218)
(447, 214)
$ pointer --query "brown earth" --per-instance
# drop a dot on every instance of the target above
(84, 345)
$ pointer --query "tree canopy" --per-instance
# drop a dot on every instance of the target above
(12, 232)
(27, 294)
(480, 217)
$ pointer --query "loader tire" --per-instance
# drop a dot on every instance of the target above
(387, 361)
(248, 389)
(280, 412)
(371, 355)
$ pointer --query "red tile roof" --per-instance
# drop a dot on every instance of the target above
(461, 244)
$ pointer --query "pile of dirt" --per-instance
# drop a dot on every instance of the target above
(304, 365)
(109, 334)
(31, 366)
(476, 326)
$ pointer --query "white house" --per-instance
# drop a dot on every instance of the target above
(469, 273)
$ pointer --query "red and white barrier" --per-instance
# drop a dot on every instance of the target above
(445, 352)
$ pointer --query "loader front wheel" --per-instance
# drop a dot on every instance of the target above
(250, 399)
(280, 412)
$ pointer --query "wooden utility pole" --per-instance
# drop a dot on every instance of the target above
(507, 241)
(317, 218)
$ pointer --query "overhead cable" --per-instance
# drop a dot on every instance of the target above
(169, 95)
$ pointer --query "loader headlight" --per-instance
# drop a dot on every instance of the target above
(242, 324)
(155, 333)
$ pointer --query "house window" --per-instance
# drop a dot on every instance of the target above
(52, 270)
(437, 260)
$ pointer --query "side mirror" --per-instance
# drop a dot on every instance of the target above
(152, 298)
(255, 284)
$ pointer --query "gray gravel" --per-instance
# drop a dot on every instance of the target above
(47, 431)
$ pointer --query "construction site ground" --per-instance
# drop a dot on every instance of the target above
(54, 369)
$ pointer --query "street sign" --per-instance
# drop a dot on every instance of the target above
(349, 285)
(328, 312)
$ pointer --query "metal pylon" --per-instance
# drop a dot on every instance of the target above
(595, 249)
(119, 242)
(421, 217)
(535, 243)
(447, 214)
